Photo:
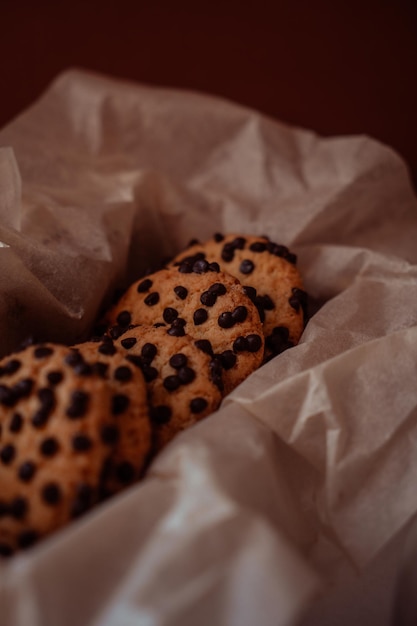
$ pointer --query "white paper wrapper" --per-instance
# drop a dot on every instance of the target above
(290, 504)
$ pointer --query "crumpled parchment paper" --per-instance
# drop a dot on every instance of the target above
(290, 504)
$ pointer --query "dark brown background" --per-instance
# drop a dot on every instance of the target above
(336, 67)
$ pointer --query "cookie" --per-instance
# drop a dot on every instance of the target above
(184, 382)
(269, 274)
(60, 423)
(209, 305)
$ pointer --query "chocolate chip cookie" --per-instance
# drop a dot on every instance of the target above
(60, 431)
(270, 277)
(209, 305)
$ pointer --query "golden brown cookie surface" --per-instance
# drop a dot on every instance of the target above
(183, 381)
(59, 429)
(204, 303)
(269, 273)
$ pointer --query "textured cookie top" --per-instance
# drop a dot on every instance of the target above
(183, 381)
(269, 273)
(204, 303)
(59, 428)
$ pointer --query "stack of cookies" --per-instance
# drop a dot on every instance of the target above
(79, 423)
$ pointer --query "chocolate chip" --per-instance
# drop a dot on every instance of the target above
(247, 266)
(40, 417)
(152, 298)
(42, 352)
(54, 378)
(176, 329)
(225, 320)
(185, 267)
(171, 383)
(115, 332)
(26, 471)
(281, 251)
(11, 366)
(51, 493)
(128, 342)
(238, 243)
(83, 369)
(216, 372)
(186, 375)
(16, 423)
(7, 397)
(119, 404)
(218, 237)
(250, 292)
(240, 344)
(160, 414)
(258, 246)
(239, 314)
(279, 340)
(18, 507)
(81, 443)
(201, 266)
(7, 454)
(197, 405)
(149, 351)
(73, 358)
(200, 316)
(227, 253)
(78, 404)
(27, 538)
(109, 434)
(125, 472)
(47, 399)
(149, 372)
(178, 360)
(282, 332)
(49, 446)
(299, 298)
(294, 303)
(181, 292)
(208, 298)
(254, 343)
(144, 285)
(169, 314)
(123, 373)
(204, 345)
(227, 359)
(124, 318)
(265, 302)
(219, 289)
(107, 348)
(214, 267)
(276, 249)
(83, 500)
